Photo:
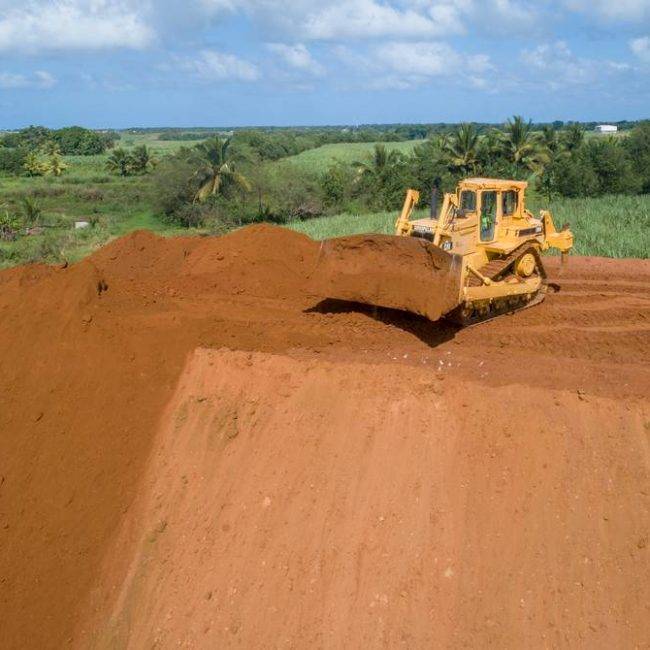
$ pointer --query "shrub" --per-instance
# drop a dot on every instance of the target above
(33, 137)
(12, 160)
(92, 194)
(638, 148)
(77, 141)
(613, 168)
(31, 211)
(570, 176)
(188, 215)
(9, 225)
(34, 165)
(284, 192)
(337, 185)
(174, 189)
(73, 140)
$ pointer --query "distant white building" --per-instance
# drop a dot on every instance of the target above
(606, 128)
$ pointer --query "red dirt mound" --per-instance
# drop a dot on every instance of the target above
(309, 504)
(396, 272)
(91, 355)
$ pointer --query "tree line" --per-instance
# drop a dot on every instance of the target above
(31, 150)
(226, 182)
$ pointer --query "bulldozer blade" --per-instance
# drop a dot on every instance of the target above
(403, 273)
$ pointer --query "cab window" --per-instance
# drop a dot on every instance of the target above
(467, 201)
(509, 203)
(488, 215)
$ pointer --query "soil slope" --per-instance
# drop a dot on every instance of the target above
(293, 503)
(89, 388)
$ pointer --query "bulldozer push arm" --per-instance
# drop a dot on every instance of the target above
(403, 226)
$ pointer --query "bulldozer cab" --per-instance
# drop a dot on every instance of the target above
(491, 201)
(483, 218)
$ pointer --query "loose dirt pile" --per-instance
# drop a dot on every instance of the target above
(400, 273)
(506, 502)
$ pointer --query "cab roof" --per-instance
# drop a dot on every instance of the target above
(493, 184)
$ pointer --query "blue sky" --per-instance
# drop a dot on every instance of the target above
(120, 63)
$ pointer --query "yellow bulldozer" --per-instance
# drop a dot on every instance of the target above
(477, 257)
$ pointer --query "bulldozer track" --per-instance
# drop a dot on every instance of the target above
(497, 267)
(494, 270)
(499, 308)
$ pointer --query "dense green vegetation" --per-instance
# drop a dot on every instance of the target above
(70, 141)
(372, 177)
(353, 182)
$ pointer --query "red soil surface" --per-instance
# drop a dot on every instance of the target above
(328, 488)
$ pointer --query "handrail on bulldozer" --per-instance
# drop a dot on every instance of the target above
(410, 201)
(443, 217)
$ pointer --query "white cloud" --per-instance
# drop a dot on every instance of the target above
(369, 18)
(39, 79)
(211, 65)
(383, 43)
(505, 15)
(420, 59)
(297, 57)
(558, 66)
(341, 20)
(612, 10)
(220, 6)
(641, 47)
(41, 25)
(11, 80)
(44, 79)
(405, 64)
(72, 24)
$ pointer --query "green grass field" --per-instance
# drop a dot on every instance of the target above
(318, 160)
(157, 147)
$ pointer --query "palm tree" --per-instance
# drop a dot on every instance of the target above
(574, 137)
(549, 139)
(55, 164)
(521, 147)
(462, 148)
(377, 164)
(50, 148)
(33, 165)
(141, 159)
(216, 169)
(119, 162)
